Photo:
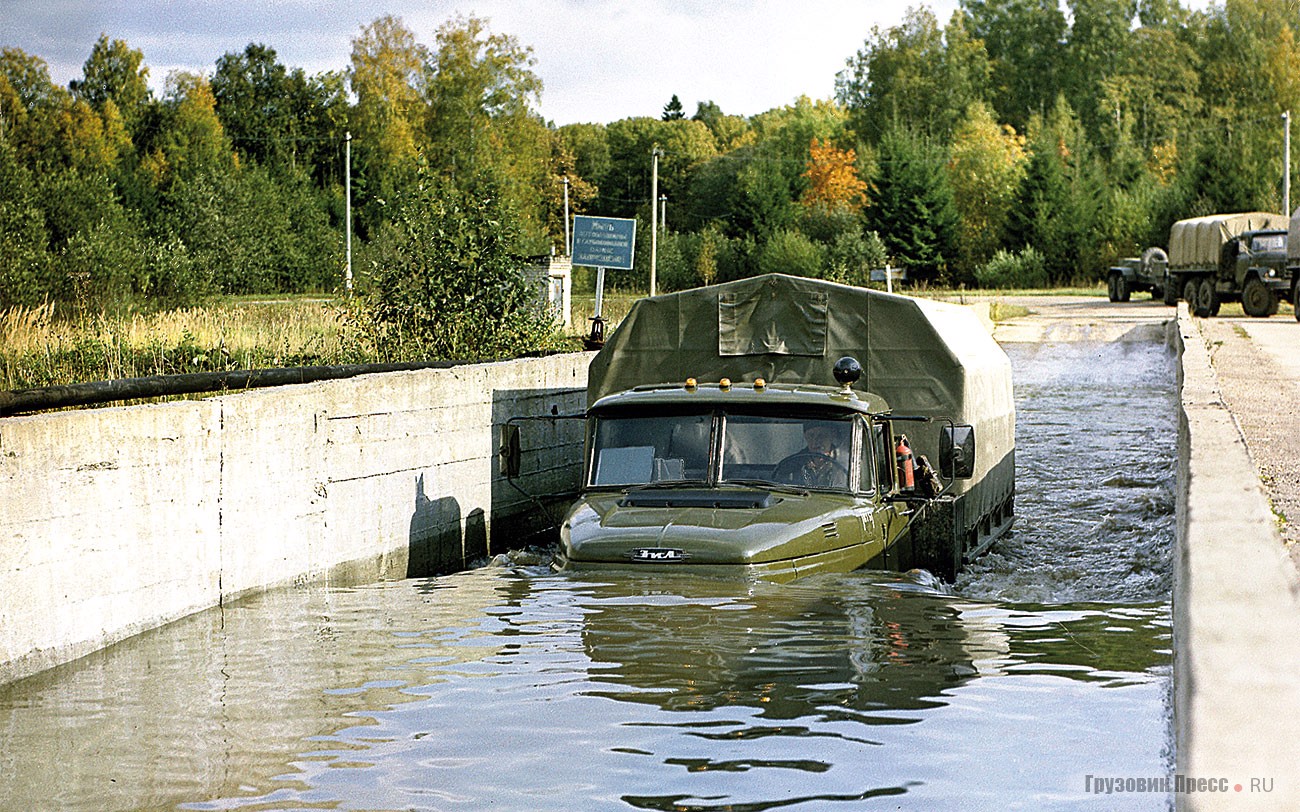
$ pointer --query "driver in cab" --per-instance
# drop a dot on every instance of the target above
(822, 462)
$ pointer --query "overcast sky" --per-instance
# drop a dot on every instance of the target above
(599, 60)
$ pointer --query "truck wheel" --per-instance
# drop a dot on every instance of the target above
(1257, 300)
(1189, 294)
(1295, 298)
(1173, 287)
(1207, 299)
(1114, 289)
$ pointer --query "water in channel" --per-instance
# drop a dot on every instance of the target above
(512, 688)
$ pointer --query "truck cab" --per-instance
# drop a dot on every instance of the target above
(1256, 264)
(772, 481)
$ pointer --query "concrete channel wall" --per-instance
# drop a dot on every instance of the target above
(1236, 613)
(114, 521)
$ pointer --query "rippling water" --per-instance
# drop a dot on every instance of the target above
(1096, 444)
(509, 687)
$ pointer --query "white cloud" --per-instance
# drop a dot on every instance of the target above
(599, 60)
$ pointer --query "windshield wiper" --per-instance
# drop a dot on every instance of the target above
(763, 483)
(668, 483)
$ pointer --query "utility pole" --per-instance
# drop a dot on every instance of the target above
(654, 212)
(568, 251)
(347, 174)
(663, 213)
(1286, 163)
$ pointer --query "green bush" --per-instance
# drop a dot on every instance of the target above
(252, 232)
(445, 282)
(1026, 269)
(851, 256)
(790, 252)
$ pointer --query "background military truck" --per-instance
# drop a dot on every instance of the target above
(1293, 260)
(1139, 274)
(1227, 258)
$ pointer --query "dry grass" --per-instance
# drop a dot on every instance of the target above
(39, 349)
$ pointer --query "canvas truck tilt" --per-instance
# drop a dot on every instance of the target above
(777, 427)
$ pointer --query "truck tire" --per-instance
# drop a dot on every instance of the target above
(1207, 299)
(1295, 292)
(1173, 288)
(1257, 300)
(1189, 292)
(1155, 264)
(1117, 288)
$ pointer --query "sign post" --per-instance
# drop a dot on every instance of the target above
(600, 243)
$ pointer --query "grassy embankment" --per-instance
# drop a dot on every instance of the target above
(38, 349)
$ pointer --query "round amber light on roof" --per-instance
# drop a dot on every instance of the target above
(759, 383)
(690, 384)
(724, 384)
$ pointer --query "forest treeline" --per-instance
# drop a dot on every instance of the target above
(1017, 143)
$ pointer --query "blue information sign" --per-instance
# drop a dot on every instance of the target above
(603, 242)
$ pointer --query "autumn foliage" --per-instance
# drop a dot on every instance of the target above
(832, 177)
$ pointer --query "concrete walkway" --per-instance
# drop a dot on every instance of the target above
(1236, 607)
(1236, 600)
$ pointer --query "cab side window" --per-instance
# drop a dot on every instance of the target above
(884, 457)
(866, 469)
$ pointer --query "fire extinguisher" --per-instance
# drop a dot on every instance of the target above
(906, 466)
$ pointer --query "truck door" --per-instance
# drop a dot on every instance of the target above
(881, 518)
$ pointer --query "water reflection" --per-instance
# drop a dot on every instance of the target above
(544, 692)
(820, 645)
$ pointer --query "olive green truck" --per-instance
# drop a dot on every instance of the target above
(1293, 259)
(774, 427)
(1212, 260)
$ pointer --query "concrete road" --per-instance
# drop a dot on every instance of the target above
(1258, 369)
(1081, 318)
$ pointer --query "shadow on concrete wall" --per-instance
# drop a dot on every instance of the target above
(441, 539)
(444, 538)
(551, 465)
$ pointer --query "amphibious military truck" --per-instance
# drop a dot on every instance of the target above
(1227, 258)
(775, 427)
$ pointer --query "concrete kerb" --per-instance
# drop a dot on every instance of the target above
(1235, 606)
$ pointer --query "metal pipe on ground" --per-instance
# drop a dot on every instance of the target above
(23, 401)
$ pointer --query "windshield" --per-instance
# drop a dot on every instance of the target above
(1268, 242)
(810, 453)
(644, 450)
(639, 450)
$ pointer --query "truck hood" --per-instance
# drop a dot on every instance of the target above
(610, 528)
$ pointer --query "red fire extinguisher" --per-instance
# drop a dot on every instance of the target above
(906, 466)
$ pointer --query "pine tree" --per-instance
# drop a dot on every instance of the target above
(673, 110)
(912, 207)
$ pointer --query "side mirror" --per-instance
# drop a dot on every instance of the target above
(957, 452)
(509, 453)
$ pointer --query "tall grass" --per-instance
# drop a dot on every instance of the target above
(39, 349)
